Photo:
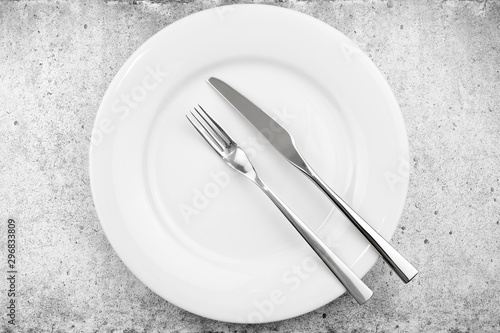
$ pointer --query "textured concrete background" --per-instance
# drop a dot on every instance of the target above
(442, 59)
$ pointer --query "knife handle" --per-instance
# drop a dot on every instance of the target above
(349, 280)
(396, 261)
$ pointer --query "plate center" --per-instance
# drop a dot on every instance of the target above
(216, 212)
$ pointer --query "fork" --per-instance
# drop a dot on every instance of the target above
(237, 159)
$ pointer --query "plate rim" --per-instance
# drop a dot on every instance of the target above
(193, 17)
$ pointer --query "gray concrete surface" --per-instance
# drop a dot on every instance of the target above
(442, 59)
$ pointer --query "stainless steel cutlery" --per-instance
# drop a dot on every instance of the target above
(236, 158)
(284, 143)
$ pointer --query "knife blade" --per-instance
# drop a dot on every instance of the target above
(284, 143)
(279, 138)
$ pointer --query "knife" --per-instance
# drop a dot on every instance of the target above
(284, 143)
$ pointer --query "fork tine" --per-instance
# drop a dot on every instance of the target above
(211, 129)
(206, 134)
(221, 130)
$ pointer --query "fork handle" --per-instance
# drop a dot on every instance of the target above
(351, 281)
(398, 263)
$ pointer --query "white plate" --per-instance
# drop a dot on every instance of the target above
(200, 235)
